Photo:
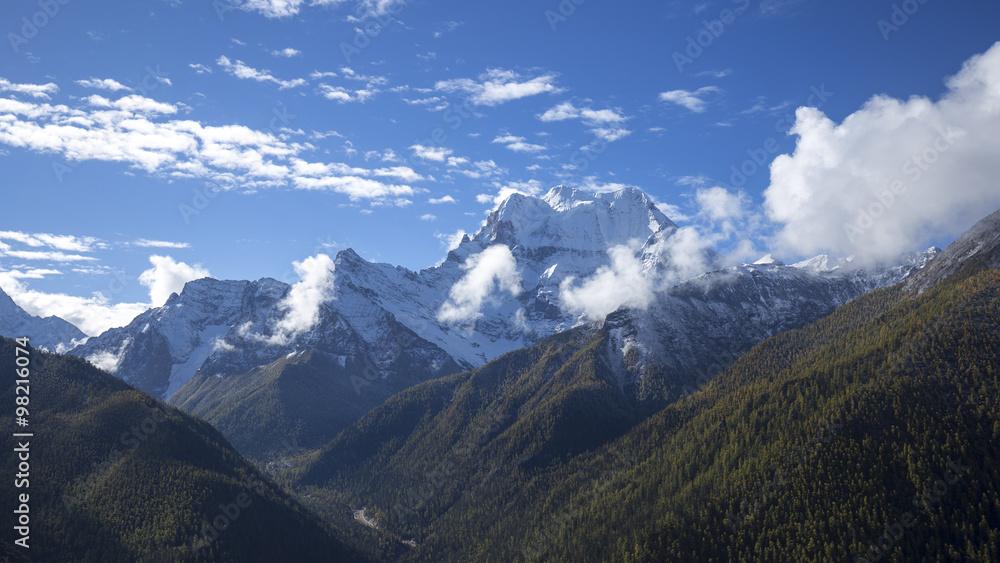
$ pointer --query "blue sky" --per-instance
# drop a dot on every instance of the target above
(237, 137)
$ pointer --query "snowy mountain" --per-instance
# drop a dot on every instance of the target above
(210, 327)
(51, 333)
(697, 328)
(538, 266)
(978, 248)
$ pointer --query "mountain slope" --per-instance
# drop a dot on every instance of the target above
(801, 450)
(116, 475)
(50, 333)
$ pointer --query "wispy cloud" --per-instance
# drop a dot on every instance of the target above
(43, 91)
(287, 52)
(692, 100)
(517, 144)
(103, 84)
(138, 131)
(241, 70)
(497, 86)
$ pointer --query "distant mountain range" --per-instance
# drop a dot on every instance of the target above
(51, 333)
(216, 348)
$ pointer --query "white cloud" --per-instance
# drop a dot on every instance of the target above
(719, 204)
(567, 110)
(133, 130)
(691, 100)
(93, 315)
(345, 95)
(103, 84)
(437, 154)
(428, 217)
(451, 241)
(694, 181)
(492, 269)
(440, 200)
(611, 134)
(168, 276)
(58, 242)
(146, 243)
(34, 90)
(622, 283)
(517, 144)
(715, 73)
(241, 70)
(200, 68)
(132, 104)
(404, 173)
(302, 304)
(287, 52)
(497, 86)
(286, 8)
(531, 187)
(896, 174)
(48, 255)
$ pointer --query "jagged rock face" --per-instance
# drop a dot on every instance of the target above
(51, 333)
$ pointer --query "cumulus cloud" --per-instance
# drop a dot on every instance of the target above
(42, 91)
(610, 134)
(517, 144)
(168, 276)
(720, 204)
(531, 187)
(622, 283)
(440, 200)
(691, 100)
(287, 52)
(494, 269)
(437, 154)
(302, 304)
(346, 95)
(103, 84)
(567, 110)
(241, 70)
(895, 175)
(92, 315)
(497, 86)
